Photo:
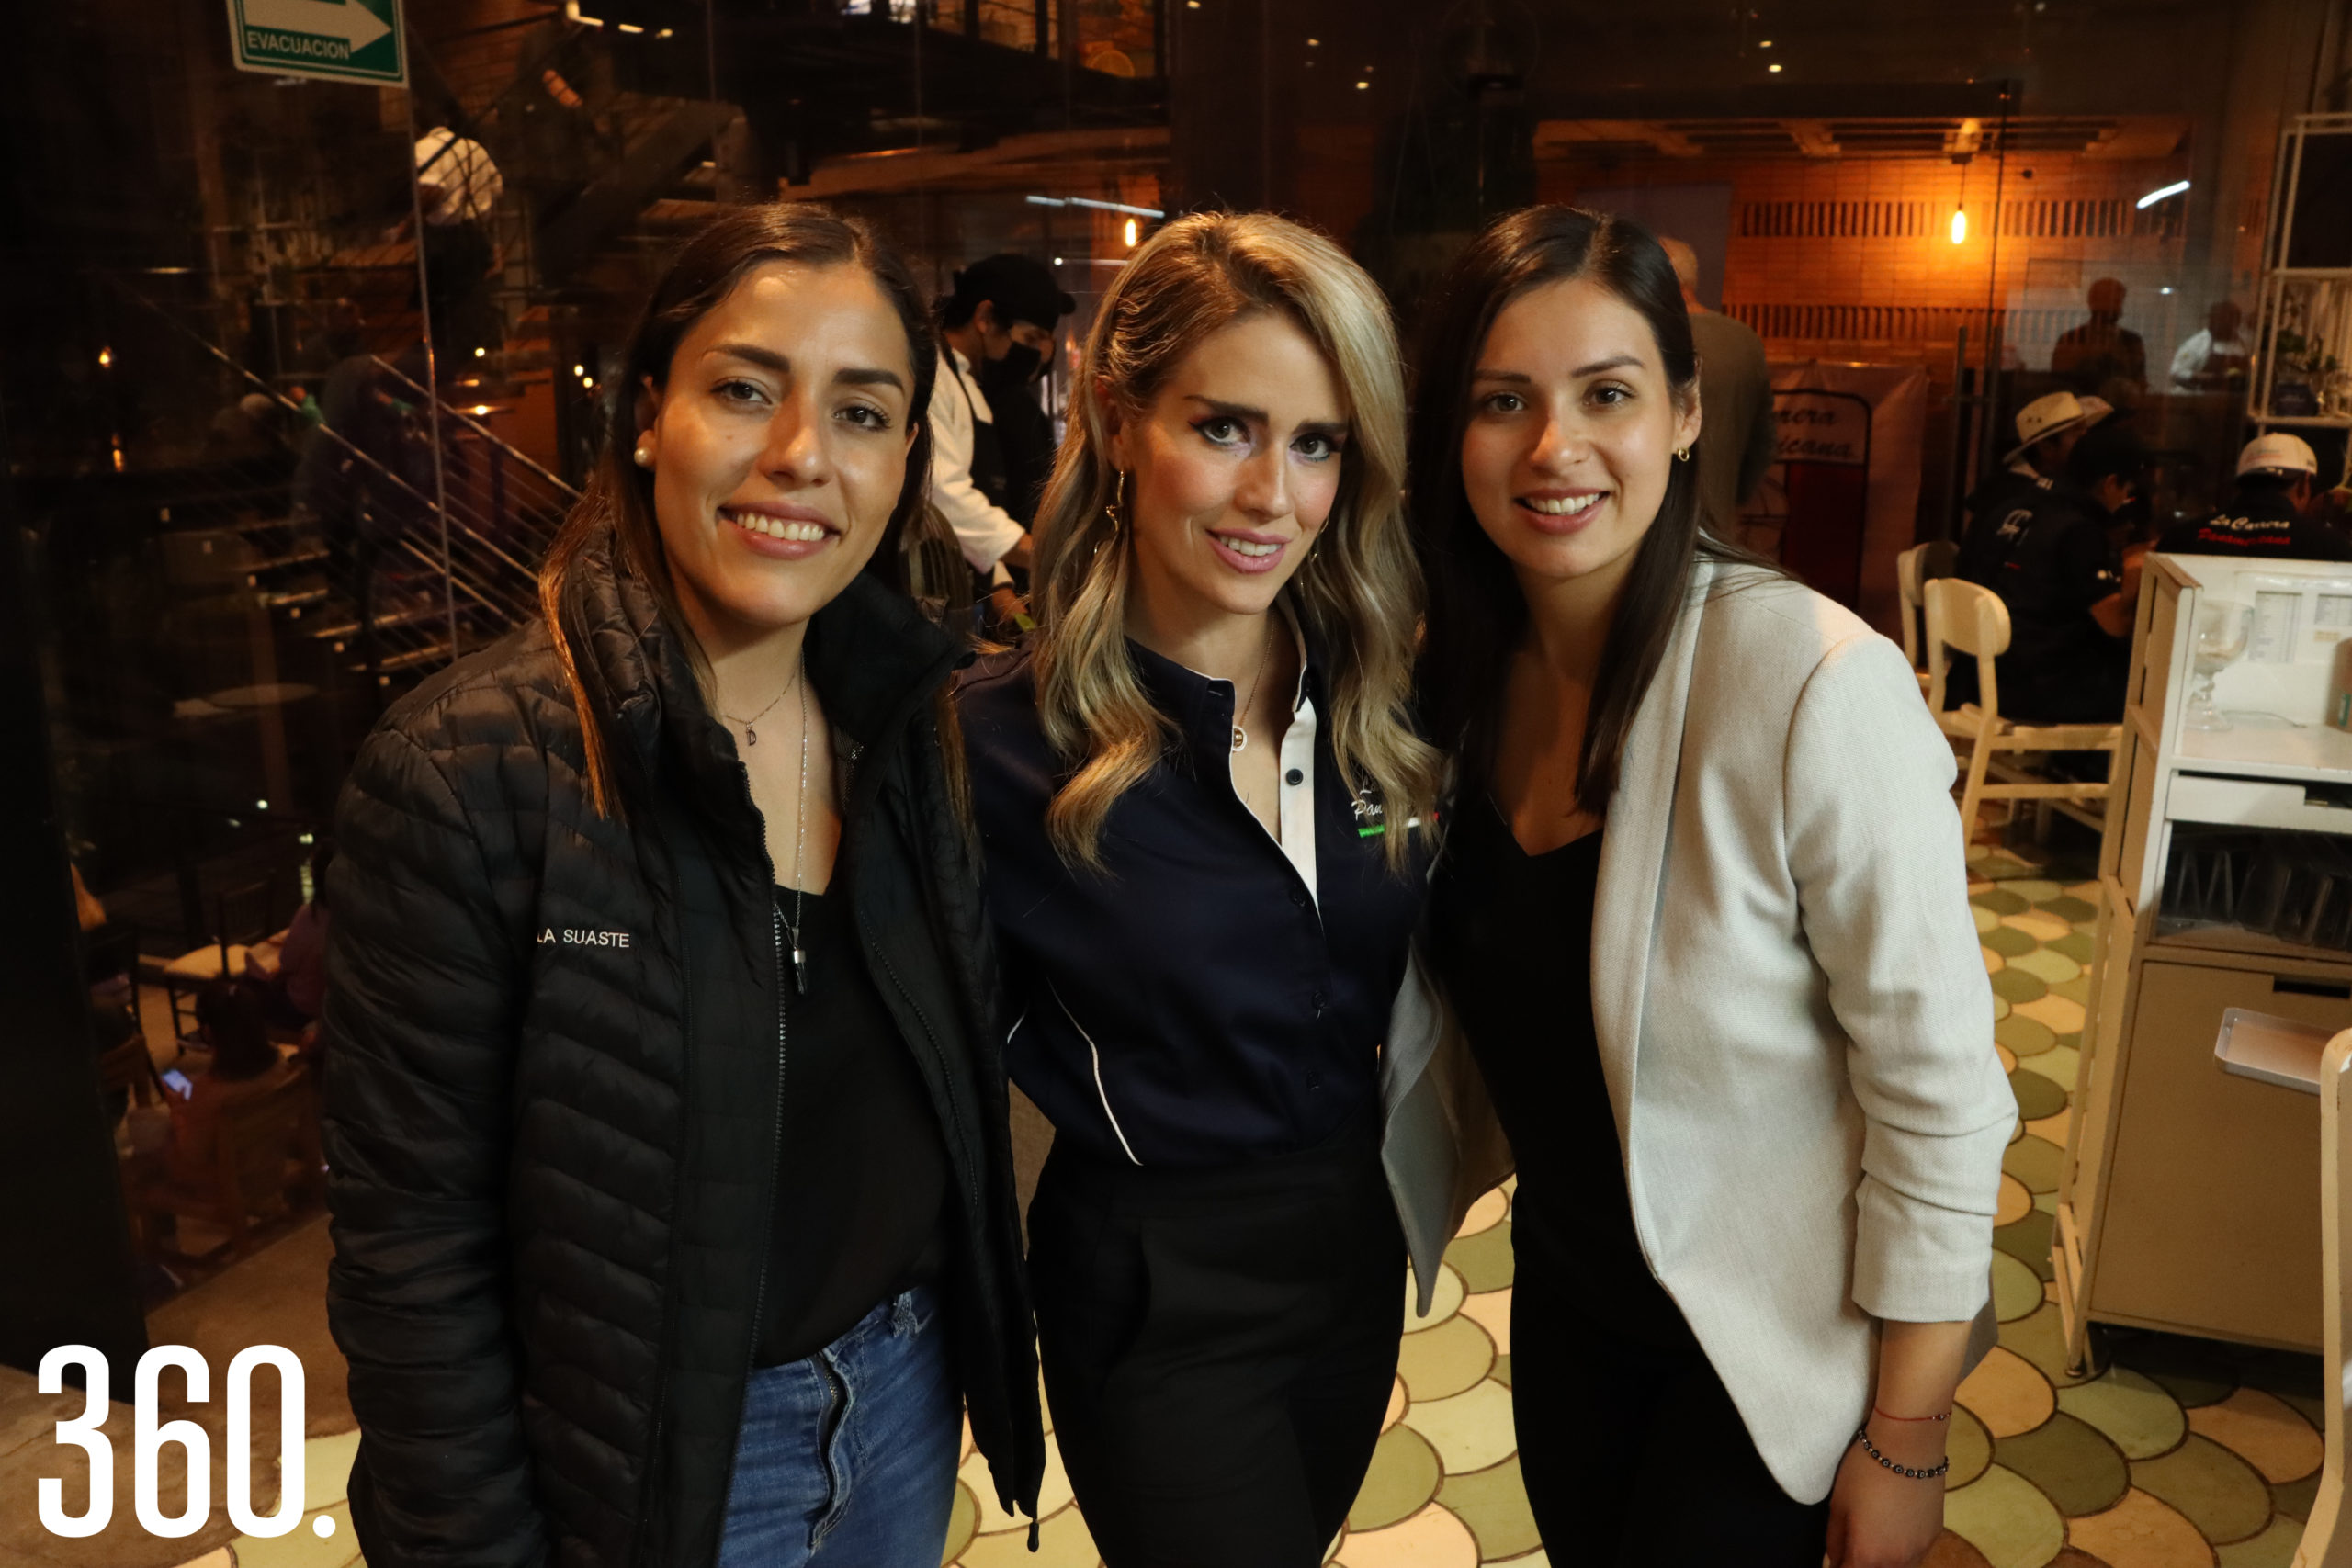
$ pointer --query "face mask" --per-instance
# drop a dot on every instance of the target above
(1017, 368)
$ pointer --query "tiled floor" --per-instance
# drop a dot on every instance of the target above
(2184, 1454)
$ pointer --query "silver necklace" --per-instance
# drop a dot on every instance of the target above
(751, 736)
(1241, 736)
(799, 837)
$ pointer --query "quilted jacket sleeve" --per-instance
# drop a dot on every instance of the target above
(422, 997)
(1875, 848)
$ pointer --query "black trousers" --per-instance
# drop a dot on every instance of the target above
(1218, 1348)
(1634, 1454)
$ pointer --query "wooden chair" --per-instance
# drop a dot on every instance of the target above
(1972, 619)
(241, 917)
(266, 1158)
(110, 966)
(1914, 570)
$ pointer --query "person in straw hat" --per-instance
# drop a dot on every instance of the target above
(2049, 551)
(2048, 428)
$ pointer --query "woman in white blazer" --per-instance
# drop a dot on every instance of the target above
(1760, 1132)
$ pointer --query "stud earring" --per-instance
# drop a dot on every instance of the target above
(1682, 454)
(644, 456)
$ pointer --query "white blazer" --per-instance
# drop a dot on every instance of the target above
(1792, 1015)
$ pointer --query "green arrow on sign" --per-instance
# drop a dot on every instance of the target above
(348, 40)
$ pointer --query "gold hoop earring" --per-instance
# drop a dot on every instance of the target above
(1115, 509)
(1682, 454)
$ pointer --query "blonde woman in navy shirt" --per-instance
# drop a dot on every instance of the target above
(1193, 791)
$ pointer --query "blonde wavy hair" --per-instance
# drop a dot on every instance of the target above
(1358, 593)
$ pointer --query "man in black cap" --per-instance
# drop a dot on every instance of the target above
(998, 330)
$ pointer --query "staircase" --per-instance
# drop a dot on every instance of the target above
(382, 534)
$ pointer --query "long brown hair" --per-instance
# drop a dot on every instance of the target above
(1478, 614)
(1358, 592)
(618, 501)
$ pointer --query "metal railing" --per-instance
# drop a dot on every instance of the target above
(399, 550)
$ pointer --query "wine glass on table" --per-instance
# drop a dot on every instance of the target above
(2223, 629)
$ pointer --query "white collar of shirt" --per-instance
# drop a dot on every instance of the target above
(1294, 783)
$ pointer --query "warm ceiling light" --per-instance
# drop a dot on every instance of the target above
(1132, 231)
(1775, 70)
(1315, 43)
(1959, 226)
(105, 358)
(1362, 85)
(2156, 195)
(1766, 44)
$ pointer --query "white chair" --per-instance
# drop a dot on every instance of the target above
(2327, 1536)
(1913, 569)
(1973, 619)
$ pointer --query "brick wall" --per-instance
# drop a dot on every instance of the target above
(1853, 257)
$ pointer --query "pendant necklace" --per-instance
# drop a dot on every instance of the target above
(1241, 736)
(751, 736)
(799, 838)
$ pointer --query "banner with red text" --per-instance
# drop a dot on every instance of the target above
(1842, 500)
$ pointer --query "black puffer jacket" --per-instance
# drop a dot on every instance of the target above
(552, 1087)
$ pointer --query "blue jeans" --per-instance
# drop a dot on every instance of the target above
(848, 1457)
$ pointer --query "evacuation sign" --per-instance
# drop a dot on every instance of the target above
(343, 41)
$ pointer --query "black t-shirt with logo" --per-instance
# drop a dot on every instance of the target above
(2050, 559)
(2263, 523)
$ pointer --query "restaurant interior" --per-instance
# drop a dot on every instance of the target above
(299, 371)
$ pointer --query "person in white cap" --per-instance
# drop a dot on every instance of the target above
(2272, 513)
(2048, 428)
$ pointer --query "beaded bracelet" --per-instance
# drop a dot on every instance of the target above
(1863, 1435)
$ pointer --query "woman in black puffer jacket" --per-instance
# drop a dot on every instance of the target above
(673, 1196)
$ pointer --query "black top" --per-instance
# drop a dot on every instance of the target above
(1512, 941)
(860, 1173)
(2263, 523)
(2049, 558)
(1194, 1005)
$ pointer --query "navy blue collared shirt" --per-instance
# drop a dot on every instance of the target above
(1217, 993)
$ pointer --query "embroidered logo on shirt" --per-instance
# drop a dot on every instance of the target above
(573, 937)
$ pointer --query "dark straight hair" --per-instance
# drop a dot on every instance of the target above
(1478, 616)
(618, 501)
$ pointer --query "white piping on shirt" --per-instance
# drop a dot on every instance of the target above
(1100, 1092)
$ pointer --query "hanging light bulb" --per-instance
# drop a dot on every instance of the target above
(1131, 233)
(1959, 226)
